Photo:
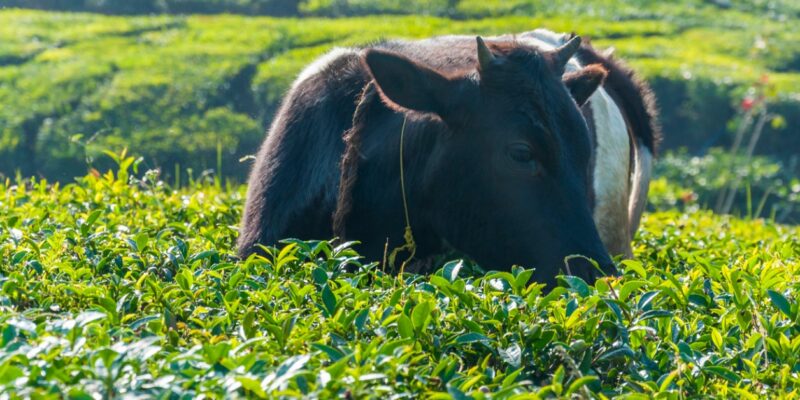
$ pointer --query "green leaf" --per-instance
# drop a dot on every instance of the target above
(329, 300)
(19, 256)
(558, 379)
(698, 300)
(620, 353)
(361, 319)
(215, 352)
(472, 337)
(654, 314)
(716, 337)
(629, 287)
(522, 279)
(420, 316)
(93, 218)
(320, 276)
(723, 372)
(333, 354)
(405, 327)
(248, 324)
(646, 299)
(577, 384)
(578, 285)
(252, 386)
(635, 267)
(442, 284)
(451, 269)
(512, 377)
(500, 281)
(554, 294)
(23, 325)
(780, 302)
(286, 371)
(9, 373)
(202, 255)
(389, 347)
(144, 320)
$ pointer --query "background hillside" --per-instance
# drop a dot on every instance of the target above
(175, 89)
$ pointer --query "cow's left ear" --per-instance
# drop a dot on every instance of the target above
(583, 83)
(407, 84)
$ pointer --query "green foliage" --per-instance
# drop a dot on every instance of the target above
(767, 189)
(267, 7)
(460, 8)
(118, 285)
(175, 88)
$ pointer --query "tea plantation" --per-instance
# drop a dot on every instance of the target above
(119, 286)
(123, 282)
(198, 91)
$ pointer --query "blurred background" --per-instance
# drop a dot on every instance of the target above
(191, 85)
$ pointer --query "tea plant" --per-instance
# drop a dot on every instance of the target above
(119, 286)
(178, 88)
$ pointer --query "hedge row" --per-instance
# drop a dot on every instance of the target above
(197, 92)
(128, 7)
(450, 8)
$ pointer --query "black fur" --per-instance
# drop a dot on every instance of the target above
(468, 185)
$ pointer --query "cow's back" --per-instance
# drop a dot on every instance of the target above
(293, 184)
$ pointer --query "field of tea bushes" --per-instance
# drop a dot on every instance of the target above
(124, 283)
(198, 91)
(118, 285)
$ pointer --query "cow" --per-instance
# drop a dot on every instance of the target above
(473, 146)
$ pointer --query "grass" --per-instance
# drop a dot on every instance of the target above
(118, 285)
(177, 88)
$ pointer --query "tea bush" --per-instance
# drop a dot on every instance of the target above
(766, 188)
(459, 8)
(186, 90)
(120, 285)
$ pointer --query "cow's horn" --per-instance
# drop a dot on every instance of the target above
(485, 56)
(566, 51)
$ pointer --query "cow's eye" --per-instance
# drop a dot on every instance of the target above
(520, 152)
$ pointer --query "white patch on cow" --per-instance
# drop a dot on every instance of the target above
(549, 40)
(611, 174)
(546, 38)
(640, 184)
(321, 63)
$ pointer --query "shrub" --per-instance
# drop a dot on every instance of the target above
(120, 286)
(135, 81)
(766, 189)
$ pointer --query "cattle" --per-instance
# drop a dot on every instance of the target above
(477, 147)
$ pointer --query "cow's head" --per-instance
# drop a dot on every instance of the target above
(509, 182)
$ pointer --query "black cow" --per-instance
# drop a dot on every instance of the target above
(497, 155)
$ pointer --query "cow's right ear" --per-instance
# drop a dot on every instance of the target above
(406, 83)
(582, 84)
